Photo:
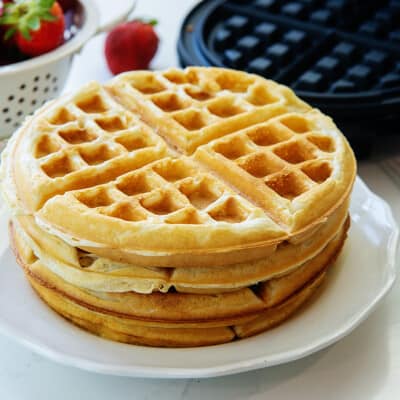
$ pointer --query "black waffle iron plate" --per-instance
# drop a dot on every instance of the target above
(342, 56)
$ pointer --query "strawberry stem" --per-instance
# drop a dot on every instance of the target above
(25, 16)
(152, 22)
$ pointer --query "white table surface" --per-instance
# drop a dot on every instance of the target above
(364, 365)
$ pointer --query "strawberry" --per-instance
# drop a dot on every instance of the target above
(37, 25)
(130, 46)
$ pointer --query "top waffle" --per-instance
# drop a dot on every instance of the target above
(178, 162)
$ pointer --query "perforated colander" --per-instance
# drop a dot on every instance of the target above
(27, 85)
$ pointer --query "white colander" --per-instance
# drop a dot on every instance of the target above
(26, 85)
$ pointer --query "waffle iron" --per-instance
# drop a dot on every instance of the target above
(342, 56)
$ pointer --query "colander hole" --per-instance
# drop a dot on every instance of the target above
(10, 98)
(36, 79)
(35, 89)
(55, 88)
(19, 113)
(33, 102)
(55, 79)
(22, 87)
(21, 100)
(7, 120)
(16, 124)
(46, 89)
(48, 76)
(5, 110)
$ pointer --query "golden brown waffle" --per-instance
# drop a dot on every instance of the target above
(185, 309)
(100, 179)
(89, 271)
(198, 329)
(178, 208)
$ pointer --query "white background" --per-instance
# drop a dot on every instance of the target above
(365, 365)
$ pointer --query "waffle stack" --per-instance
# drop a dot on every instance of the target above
(178, 208)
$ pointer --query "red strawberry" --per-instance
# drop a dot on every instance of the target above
(131, 46)
(38, 25)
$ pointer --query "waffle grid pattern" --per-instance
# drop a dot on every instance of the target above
(276, 163)
(168, 191)
(78, 126)
(339, 61)
(88, 141)
(191, 110)
(175, 91)
(285, 153)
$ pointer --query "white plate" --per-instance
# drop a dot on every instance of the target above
(363, 275)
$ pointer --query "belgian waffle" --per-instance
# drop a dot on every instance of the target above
(121, 316)
(88, 170)
(177, 208)
(90, 271)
